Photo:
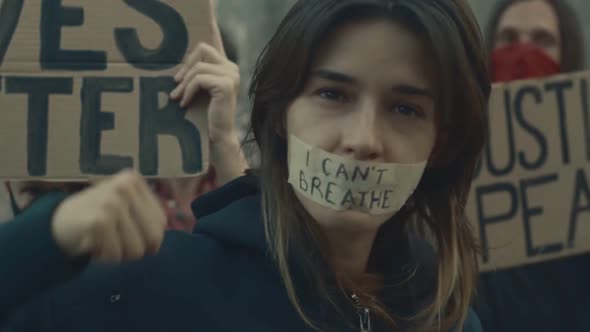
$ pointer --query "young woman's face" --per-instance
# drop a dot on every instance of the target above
(531, 22)
(370, 96)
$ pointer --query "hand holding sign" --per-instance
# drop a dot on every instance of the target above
(115, 220)
(207, 68)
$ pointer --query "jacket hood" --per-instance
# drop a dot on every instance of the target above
(232, 214)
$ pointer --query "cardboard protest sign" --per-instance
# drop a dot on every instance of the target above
(84, 88)
(530, 201)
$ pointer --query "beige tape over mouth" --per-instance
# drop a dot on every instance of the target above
(341, 183)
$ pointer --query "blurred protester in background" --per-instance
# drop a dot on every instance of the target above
(533, 39)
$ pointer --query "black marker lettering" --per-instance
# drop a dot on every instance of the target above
(348, 199)
(173, 46)
(9, 17)
(302, 182)
(484, 220)
(94, 121)
(492, 168)
(315, 184)
(342, 171)
(38, 89)
(54, 16)
(376, 200)
(529, 212)
(582, 190)
(329, 192)
(325, 166)
(358, 173)
(559, 88)
(363, 195)
(585, 115)
(385, 204)
(380, 171)
(167, 121)
(537, 96)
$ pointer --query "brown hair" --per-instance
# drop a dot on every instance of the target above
(450, 29)
(572, 41)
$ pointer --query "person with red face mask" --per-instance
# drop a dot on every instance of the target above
(520, 60)
(535, 39)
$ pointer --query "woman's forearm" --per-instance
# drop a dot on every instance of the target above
(228, 159)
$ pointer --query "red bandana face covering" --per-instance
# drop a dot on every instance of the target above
(178, 209)
(521, 61)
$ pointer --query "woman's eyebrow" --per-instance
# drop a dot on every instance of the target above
(335, 76)
(406, 89)
(412, 90)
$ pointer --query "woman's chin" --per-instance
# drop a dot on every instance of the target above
(354, 215)
(350, 219)
(360, 216)
(329, 218)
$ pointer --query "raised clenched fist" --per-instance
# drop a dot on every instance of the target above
(118, 219)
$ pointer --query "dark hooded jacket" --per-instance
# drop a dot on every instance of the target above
(220, 278)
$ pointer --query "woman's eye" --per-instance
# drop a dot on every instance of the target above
(407, 110)
(544, 39)
(333, 95)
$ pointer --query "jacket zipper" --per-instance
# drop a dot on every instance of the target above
(363, 313)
